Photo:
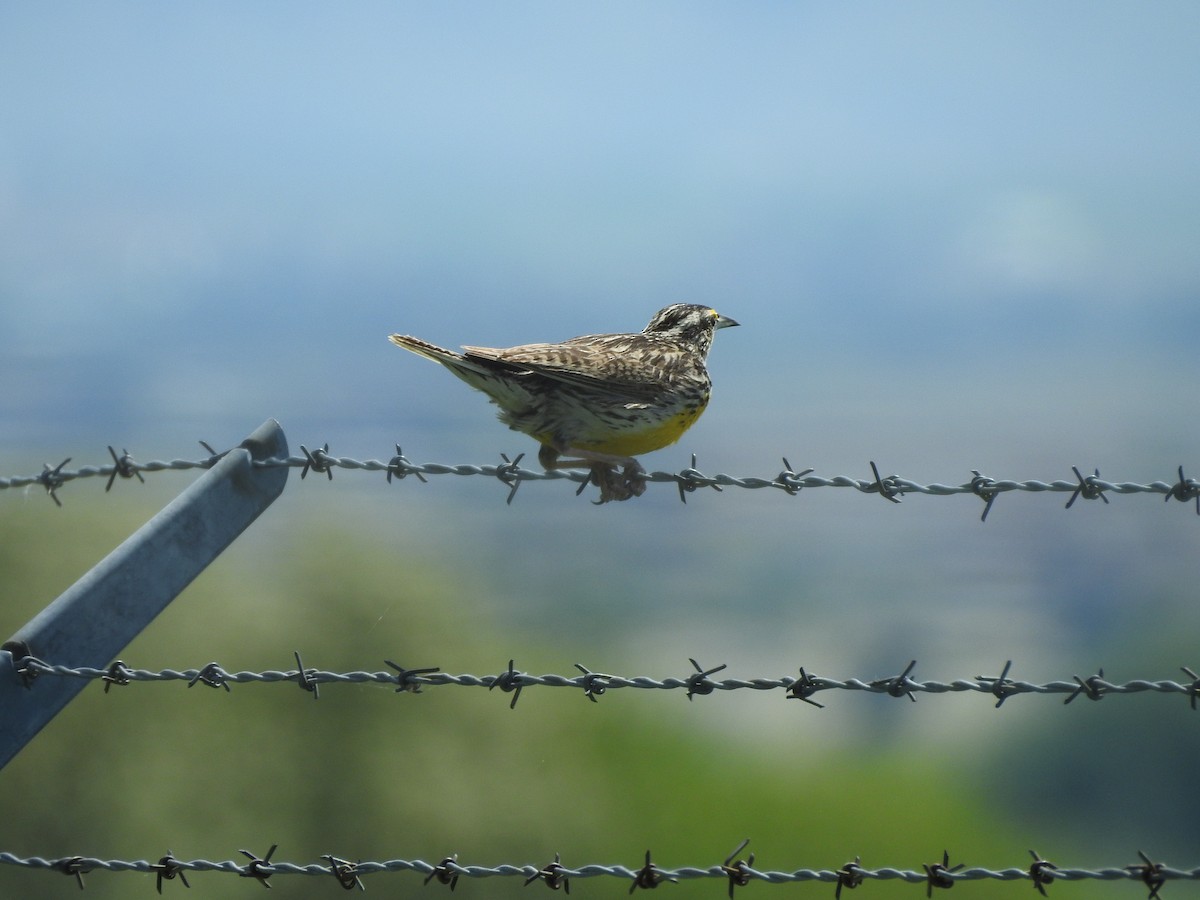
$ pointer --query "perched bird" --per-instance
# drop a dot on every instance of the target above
(599, 400)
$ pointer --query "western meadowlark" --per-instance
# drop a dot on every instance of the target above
(599, 400)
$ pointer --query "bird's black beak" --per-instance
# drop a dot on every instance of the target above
(725, 321)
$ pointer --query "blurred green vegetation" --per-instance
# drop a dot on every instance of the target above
(365, 773)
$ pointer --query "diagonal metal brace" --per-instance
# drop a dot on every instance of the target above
(95, 618)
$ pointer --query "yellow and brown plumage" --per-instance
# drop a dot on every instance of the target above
(599, 400)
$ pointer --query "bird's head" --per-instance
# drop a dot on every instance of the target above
(688, 323)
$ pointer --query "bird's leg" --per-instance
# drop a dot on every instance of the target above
(630, 482)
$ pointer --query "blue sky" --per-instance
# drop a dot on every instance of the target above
(215, 212)
(976, 221)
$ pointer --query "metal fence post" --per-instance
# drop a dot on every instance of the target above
(102, 612)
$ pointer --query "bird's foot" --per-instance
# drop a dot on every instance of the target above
(622, 485)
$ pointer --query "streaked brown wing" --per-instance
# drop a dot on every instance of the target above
(620, 366)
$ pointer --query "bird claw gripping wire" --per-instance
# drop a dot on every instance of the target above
(552, 875)
(849, 876)
(1093, 687)
(259, 868)
(740, 872)
(319, 461)
(123, 466)
(985, 490)
(699, 683)
(345, 872)
(400, 467)
(1041, 872)
(940, 875)
(168, 869)
(406, 679)
(649, 876)
(900, 685)
(509, 681)
(804, 688)
(594, 683)
(1151, 874)
(1088, 488)
(1003, 687)
(444, 873)
(1184, 490)
(888, 488)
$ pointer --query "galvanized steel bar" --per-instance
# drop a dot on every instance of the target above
(102, 612)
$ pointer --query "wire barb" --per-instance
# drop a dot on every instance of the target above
(739, 872)
(213, 456)
(900, 685)
(509, 682)
(259, 869)
(888, 488)
(402, 468)
(123, 466)
(318, 461)
(409, 679)
(510, 474)
(594, 683)
(74, 866)
(986, 490)
(213, 676)
(445, 872)
(118, 674)
(1151, 874)
(699, 683)
(789, 480)
(306, 678)
(1185, 490)
(940, 875)
(168, 869)
(849, 876)
(345, 872)
(1089, 488)
(691, 479)
(1003, 686)
(53, 479)
(804, 688)
(552, 875)
(1041, 872)
(25, 664)
(1193, 689)
(650, 876)
(1093, 687)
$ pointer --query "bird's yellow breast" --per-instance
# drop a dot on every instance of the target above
(639, 437)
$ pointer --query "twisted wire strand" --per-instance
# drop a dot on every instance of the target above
(594, 684)
(686, 480)
(1148, 872)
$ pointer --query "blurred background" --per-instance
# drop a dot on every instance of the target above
(957, 236)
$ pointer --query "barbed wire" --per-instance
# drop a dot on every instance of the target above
(687, 480)
(698, 682)
(556, 875)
